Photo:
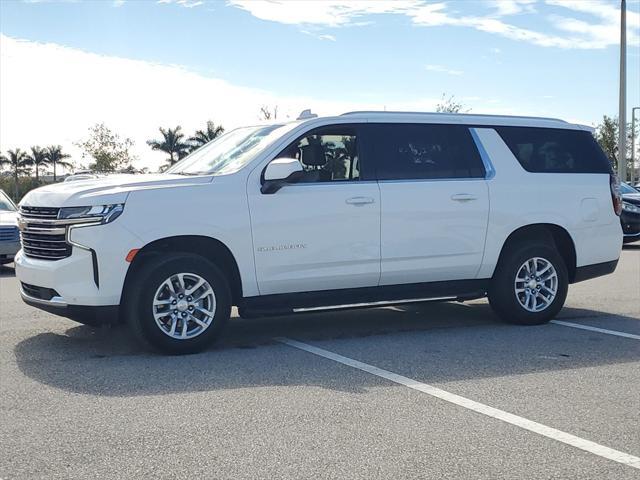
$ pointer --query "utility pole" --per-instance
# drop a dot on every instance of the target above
(622, 117)
(633, 145)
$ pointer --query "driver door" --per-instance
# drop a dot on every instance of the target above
(322, 232)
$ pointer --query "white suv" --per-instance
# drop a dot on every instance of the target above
(362, 209)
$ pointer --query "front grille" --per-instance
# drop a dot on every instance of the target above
(40, 237)
(9, 234)
(45, 246)
(41, 293)
(39, 213)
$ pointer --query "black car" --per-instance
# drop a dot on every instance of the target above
(630, 217)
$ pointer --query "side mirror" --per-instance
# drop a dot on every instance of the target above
(280, 172)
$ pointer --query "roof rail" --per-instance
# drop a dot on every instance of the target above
(523, 117)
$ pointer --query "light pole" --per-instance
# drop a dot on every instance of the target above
(633, 144)
(622, 117)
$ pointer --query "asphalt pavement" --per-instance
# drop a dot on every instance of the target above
(440, 390)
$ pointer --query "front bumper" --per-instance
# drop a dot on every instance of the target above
(87, 314)
(93, 275)
(630, 226)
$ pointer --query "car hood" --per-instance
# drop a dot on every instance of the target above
(631, 198)
(106, 190)
(8, 218)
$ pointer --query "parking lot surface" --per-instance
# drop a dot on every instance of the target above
(353, 394)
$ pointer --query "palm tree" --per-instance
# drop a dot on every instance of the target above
(172, 143)
(38, 156)
(202, 137)
(19, 162)
(56, 157)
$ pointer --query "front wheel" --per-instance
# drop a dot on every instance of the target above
(530, 285)
(183, 303)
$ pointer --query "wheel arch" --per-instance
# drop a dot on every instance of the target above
(549, 233)
(210, 248)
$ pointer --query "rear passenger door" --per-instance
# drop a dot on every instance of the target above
(434, 202)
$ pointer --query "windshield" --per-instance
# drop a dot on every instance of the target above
(5, 203)
(626, 188)
(230, 152)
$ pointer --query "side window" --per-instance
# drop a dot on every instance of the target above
(328, 154)
(555, 150)
(425, 151)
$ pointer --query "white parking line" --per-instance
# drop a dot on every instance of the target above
(560, 436)
(596, 329)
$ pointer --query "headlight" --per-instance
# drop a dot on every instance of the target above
(97, 213)
(630, 207)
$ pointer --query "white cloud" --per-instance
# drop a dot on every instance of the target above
(329, 13)
(442, 69)
(135, 97)
(512, 7)
(183, 3)
(604, 32)
(132, 97)
(554, 31)
(436, 15)
(327, 37)
(319, 36)
(600, 34)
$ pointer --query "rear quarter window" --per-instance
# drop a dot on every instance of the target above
(555, 150)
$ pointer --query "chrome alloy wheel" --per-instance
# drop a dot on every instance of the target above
(536, 284)
(184, 306)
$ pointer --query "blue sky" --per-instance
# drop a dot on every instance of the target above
(226, 58)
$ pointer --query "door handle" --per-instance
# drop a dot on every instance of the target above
(358, 201)
(463, 197)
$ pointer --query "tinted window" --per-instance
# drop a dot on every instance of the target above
(424, 151)
(555, 150)
(328, 154)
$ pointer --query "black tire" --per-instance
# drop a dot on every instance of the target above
(147, 281)
(502, 294)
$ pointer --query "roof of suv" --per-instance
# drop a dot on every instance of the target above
(464, 119)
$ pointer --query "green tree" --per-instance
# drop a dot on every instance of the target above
(55, 156)
(172, 143)
(25, 185)
(38, 157)
(109, 152)
(202, 137)
(607, 136)
(450, 105)
(19, 163)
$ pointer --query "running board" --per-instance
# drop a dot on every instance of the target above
(363, 297)
(373, 304)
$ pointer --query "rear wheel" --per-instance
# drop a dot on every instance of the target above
(183, 304)
(530, 284)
